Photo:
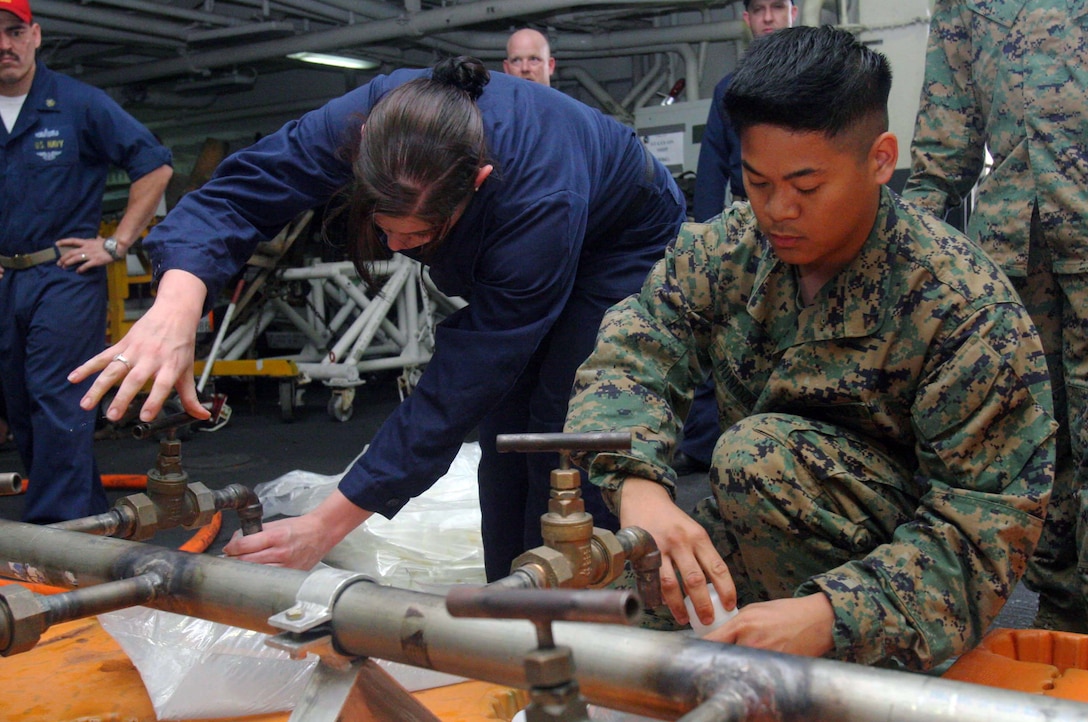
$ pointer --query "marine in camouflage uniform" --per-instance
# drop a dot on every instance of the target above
(890, 445)
(1010, 75)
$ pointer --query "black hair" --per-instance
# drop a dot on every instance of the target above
(809, 79)
(418, 154)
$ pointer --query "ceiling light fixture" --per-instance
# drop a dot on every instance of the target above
(337, 61)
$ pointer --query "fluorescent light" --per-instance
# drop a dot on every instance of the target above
(337, 61)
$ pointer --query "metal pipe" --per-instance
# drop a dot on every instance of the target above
(602, 96)
(607, 607)
(193, 16)
(101, 598)
(146, 429)
(11, 484)
(417, 25)
(642, 671)
(119, 521)
(155, 27)
(244, 501)
(642, 553)
(648, 77)
(589, 441)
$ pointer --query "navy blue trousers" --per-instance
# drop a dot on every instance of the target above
(51, 321)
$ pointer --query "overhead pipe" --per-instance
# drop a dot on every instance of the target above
(109, 35)
(810, 11)
(153, 8)
(666, 675)
(651, 90)
(648, 77)
(602, 96)
(691, 69)
(586, 45)
(366, 9)
(108, 18)
(418, 25)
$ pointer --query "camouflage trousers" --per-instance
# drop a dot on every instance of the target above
(794, 497)
(1058, 304)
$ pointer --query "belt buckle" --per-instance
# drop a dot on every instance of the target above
(21, 261)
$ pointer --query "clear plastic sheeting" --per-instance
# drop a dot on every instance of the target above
(194, 669)
(431, 544)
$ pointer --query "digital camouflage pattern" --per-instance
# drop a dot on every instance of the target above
(916, 369)
(1010, 76)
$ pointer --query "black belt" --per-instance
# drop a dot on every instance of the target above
(27, 260)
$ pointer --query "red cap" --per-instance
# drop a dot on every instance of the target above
(18, 8)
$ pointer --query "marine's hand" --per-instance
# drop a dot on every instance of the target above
(687, 554)
(801, 625)
(300, 542)
(82, 254)
(158, 347)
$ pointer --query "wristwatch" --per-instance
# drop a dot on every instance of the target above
(110, 246)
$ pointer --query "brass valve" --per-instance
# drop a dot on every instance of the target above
(576, 554)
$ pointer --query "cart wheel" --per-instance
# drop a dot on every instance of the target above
(287, 400)
(341, 405)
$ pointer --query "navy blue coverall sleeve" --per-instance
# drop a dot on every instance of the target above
(254, 193)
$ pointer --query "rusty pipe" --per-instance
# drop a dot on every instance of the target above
(660, 674)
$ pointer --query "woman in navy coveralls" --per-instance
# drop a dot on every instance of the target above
(537, 209)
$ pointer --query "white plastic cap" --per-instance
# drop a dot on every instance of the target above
(721, 616)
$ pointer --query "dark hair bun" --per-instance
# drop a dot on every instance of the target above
(464, 72)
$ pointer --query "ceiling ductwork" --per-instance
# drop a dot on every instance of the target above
(192, 68)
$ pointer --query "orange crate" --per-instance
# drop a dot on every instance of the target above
(1028, 660)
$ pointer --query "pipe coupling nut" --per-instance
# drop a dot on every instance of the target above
(25, 615)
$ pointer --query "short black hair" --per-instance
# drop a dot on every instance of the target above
(809, 79)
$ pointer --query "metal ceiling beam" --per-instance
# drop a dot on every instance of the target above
(163, 10)
(415, 26)
(107, 18)
(110, 36)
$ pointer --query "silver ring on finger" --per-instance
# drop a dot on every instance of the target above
(125, 361)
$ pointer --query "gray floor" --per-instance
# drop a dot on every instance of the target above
(257, 445)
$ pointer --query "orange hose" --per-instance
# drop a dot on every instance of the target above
(118, 481)
(204, 536)
(36, 588)
(124, 481)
